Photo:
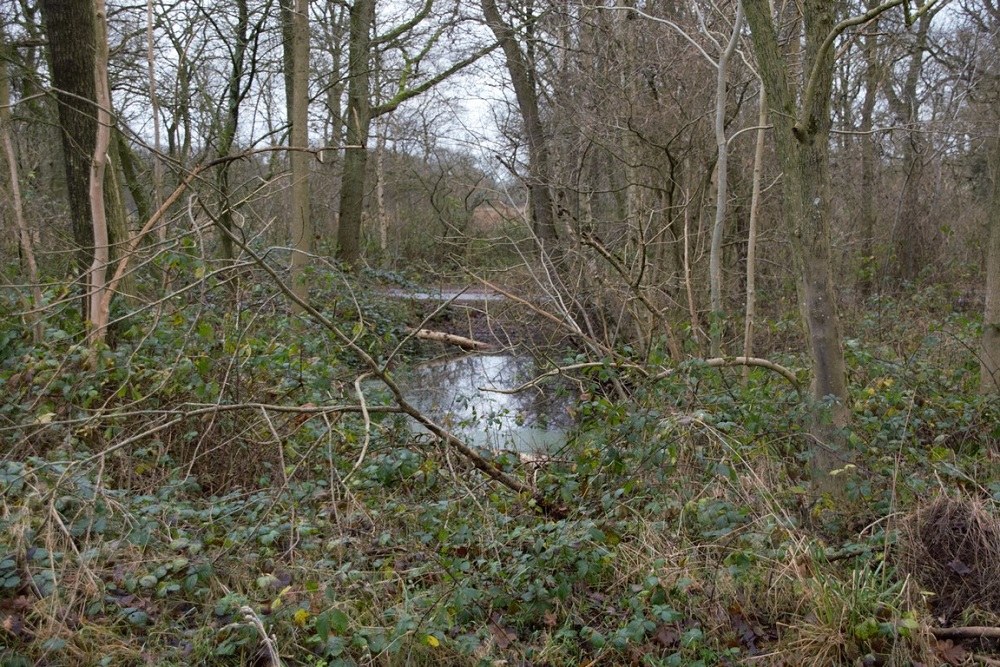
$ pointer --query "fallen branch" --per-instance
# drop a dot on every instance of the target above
(968, 632)
(718, 362)
(722, 362)
(452, 339)
(569, 326)
(562, 370)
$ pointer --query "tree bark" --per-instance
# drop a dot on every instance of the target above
(97, 282)
(301, 218)
(801, 130)
(71, 28)
(522, 76)
(352, 187)
(71, 32)
(989, 378)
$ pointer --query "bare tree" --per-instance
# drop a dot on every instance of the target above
(523, 79)
(242, 41)
(802, 130)
(362, 52)
(97, 282)
(71, 32)
(300, 225)
(10, 155)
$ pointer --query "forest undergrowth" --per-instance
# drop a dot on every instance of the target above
(207, 493)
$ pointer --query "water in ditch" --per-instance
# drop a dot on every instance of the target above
(456, 392)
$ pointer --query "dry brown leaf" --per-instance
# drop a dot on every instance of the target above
(667, 636)
(950, 652)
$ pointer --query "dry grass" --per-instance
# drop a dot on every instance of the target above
(952, 547)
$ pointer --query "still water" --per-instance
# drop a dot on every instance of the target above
(455, 393)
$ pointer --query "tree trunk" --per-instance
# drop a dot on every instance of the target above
(869, 213)
(381, 215)
(130, 164)
(300, 227)
(352, 187)
(801, 139)
(23, 233)
(910, 237)
(758, 171)
(71, 32)
(97, 282)
(154, 109)
(722, 187)
(230, 125)
(522, 78)
(989, 379)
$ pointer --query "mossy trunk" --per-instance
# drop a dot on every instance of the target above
(990, 353)
(358, 121)
(801, 131)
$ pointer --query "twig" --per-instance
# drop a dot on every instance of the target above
(722, 362)
(570, 327)
(967, 632)
(368, 426)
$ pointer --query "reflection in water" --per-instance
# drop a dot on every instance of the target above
(449, 392)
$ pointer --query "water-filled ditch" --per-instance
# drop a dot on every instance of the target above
(459, 392)
(456, 392)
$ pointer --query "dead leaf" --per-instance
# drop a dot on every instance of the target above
(747, 633)
(504, 635)
(667, 636)
(14, 624)
(950, 652)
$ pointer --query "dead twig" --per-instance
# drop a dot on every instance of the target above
(722, 362)
(967, 632)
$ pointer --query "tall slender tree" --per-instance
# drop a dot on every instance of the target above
(802, 125)
(364, 48)
(523, 79)
(71, 32)
(300, 226)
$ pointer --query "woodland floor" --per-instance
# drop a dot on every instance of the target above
(141, 525)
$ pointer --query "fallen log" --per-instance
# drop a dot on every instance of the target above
(452, 339)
